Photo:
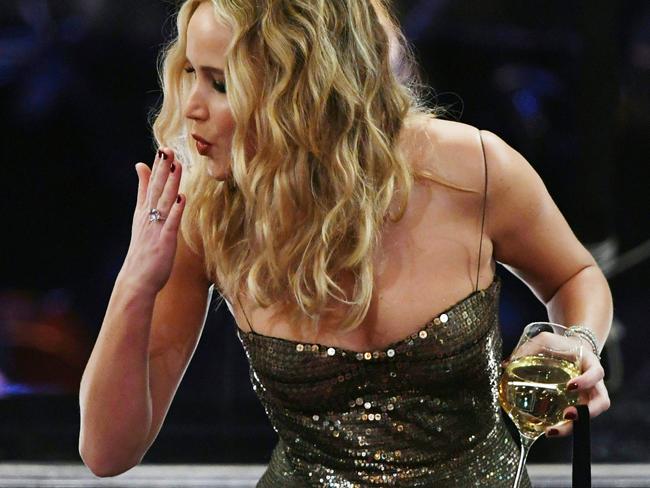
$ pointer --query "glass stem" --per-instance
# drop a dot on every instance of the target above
(525, 442)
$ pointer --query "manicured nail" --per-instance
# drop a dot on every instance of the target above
(570, 416)
(172, 167)
(572, 386)
(160, 153)
(552, 432)
(178, 199)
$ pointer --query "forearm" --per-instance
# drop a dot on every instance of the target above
(114, 396)
(585, 299)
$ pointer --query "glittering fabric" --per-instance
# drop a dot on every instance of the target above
(422, 412)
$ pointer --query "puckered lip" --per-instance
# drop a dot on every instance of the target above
(200, 139)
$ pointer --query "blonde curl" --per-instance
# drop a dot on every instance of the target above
(323, 88)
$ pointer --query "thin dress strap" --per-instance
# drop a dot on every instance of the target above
(244, 312)
(480, 247)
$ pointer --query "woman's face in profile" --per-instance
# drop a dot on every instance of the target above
(211, 124)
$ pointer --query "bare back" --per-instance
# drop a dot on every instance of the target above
(427, 261)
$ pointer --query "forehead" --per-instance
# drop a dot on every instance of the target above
(207, 37)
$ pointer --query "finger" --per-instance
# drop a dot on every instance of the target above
(564, 427)
(154, 165)
(599, 401)
(561, 429)
(571, 412)
(593, 372)
(174, 219)
(159, 176)
(144, 173)
(170, 192)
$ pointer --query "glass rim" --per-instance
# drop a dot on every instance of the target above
(576, 346)
(547, 322)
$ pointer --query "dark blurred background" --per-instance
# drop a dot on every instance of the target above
(565, 83)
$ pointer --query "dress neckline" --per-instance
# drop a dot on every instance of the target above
(293, 343)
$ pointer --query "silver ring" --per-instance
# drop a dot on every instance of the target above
(154, 215)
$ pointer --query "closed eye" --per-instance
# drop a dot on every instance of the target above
(217, 85)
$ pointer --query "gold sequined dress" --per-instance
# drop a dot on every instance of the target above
(422, 412)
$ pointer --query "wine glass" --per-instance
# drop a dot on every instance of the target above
(533, 387)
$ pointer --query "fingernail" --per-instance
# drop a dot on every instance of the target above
(172, 167)
(160, 153)
(570, 416)
(552, 432)
(572, 386)
(178, 199)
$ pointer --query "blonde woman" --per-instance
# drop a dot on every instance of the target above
(354, 235)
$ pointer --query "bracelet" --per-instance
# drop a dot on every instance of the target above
(587, 334)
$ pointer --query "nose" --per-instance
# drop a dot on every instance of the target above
(195, 106)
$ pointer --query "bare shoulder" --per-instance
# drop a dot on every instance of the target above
(461, 153)
(450, 150)
(515, 190)
(528, 233)
(530, 236)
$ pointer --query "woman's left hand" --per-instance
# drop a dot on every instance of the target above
(592, 392)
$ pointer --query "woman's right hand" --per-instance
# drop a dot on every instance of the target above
(150, 257)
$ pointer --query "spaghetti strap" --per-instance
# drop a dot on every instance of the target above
(480, 247)
(244, 312)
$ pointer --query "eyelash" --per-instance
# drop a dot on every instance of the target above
(217, 85)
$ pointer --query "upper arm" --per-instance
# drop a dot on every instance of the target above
(530, 236)
(177, 322)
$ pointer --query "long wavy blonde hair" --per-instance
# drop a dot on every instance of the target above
(323, 87)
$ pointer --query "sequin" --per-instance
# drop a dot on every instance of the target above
(382, 425)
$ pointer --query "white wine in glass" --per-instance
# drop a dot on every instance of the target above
(533, 387)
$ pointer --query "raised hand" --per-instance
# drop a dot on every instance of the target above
(149, 260)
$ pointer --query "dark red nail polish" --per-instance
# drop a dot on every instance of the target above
(172, 167)
(553, 432)
(160, 153)
(178, 199)
(572, 386)
(570, 416)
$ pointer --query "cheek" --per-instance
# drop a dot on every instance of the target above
(224, 123)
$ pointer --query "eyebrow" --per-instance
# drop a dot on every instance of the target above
(209, 69)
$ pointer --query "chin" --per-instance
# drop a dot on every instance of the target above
(217, 172)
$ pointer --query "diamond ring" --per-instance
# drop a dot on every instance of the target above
(154, 215)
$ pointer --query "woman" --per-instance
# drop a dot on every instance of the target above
(337, 215)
